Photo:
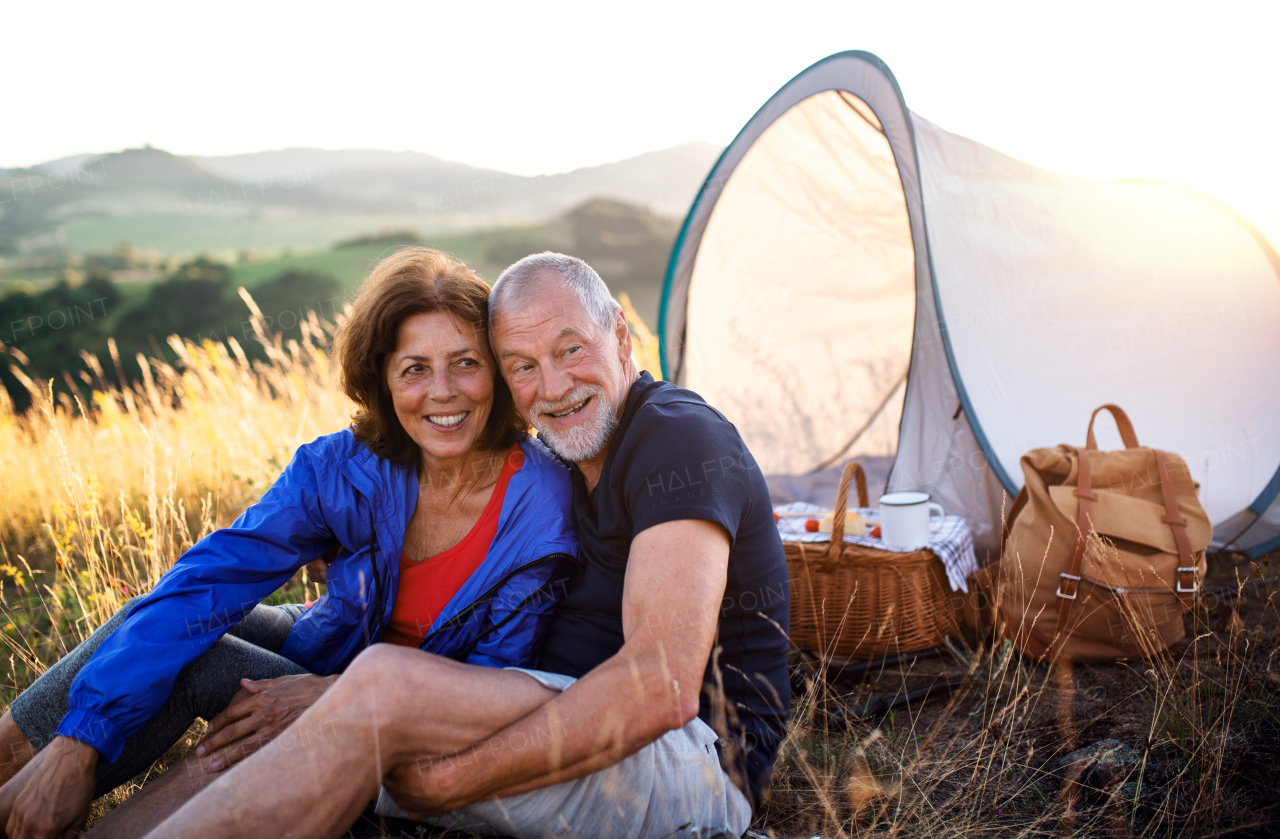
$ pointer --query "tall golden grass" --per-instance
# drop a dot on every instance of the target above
(644, 344)
(106, 486)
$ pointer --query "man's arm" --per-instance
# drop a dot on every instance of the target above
(674, 585)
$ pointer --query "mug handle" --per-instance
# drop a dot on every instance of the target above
(934, 528)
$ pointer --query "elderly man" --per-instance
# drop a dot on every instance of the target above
(662, 694)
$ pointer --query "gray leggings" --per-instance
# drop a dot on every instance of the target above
(203, 689)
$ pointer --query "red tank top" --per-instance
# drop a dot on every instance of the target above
(426, 587)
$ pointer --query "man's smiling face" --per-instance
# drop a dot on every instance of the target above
(569, 376)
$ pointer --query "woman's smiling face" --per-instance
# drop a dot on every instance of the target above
(441, 377)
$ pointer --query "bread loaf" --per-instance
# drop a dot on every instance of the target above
(853, 524)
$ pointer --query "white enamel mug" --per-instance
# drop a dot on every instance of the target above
(906, 518)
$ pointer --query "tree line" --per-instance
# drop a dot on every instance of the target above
(52, 328)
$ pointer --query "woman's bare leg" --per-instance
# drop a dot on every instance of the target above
(15, 750)
(393, 705)
(15, 753)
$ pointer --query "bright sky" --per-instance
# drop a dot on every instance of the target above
(1179, 91)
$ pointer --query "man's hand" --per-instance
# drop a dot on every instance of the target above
(404, 785)
(258, 713)
(56, 789)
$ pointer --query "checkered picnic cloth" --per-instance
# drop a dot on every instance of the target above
(953, 543)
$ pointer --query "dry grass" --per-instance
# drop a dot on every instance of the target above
(107, 487)
(1201, 723)
(644, 344)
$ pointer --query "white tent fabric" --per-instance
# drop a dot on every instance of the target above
(791, 194)
(843, 243)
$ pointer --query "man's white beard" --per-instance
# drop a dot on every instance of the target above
(583, 441)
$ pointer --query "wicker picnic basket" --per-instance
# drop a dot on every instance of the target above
(862, 602)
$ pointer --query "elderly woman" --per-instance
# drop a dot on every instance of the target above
(448, 527)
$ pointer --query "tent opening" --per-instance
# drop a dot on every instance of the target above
(803, 338)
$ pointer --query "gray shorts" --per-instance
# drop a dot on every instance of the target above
(666, 789)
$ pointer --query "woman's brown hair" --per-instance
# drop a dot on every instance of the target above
(410, 282)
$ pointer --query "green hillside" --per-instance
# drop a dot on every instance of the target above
(223, 232)
(80, 307)
(628, 245)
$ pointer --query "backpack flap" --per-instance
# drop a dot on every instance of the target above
(1145, 552)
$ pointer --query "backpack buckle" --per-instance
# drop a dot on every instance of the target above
(1191, 589)
(1068, 579)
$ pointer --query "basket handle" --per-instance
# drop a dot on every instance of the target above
(852, 470)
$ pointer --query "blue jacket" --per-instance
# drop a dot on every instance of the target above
(334, 493)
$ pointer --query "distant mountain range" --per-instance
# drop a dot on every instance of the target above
(665, 181)
(305, 197)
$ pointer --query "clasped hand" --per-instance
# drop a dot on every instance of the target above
(421, 788)
(258, 713)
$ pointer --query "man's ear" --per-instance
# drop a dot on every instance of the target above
(623, 333)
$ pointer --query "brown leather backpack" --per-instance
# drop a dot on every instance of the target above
(1102, 552)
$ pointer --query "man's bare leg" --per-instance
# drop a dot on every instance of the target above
(15, 750)
(157, 800)
(392, 707)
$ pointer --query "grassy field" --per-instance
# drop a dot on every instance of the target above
(101, 498)
(318, 250)
(349, 265)
(200, 231)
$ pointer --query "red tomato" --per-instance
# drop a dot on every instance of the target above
(875, 532)
(812, 525)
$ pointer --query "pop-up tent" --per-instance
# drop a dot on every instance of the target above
(853, 280)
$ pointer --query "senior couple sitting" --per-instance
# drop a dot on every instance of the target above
(582, 634)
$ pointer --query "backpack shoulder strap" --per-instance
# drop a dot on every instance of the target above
(1069, 580)
(1186, 585)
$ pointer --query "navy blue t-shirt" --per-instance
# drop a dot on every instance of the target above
(675, 457)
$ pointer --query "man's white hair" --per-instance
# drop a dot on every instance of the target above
(519, 282)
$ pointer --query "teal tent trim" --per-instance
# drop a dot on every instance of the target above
(1263, 548)
(975, 425)
(671, 269)
(674, 259)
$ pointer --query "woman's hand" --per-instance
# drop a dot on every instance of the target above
(318, 570)
(258, 713)
(54, 792)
